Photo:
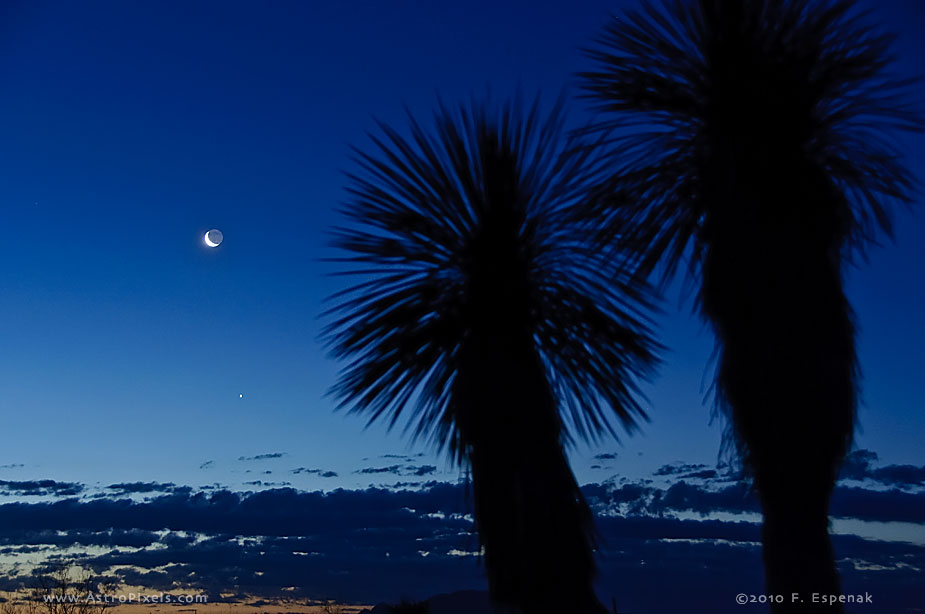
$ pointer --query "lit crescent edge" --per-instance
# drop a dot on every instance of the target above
(208, 240)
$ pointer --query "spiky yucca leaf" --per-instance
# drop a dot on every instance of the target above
(459, 234)
(754, 135)
(803, 80)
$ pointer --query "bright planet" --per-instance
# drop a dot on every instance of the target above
(213, 238)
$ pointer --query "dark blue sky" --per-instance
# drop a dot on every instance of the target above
(127, 129)
(130, 128)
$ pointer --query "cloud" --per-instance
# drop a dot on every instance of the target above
(33, 538)
(319, 472)
(40, 488)
(900, 475)
(677, 468)
(274, 512)
(883, 506)
(393, 469)
(206, 464)
(606, 456)
(859, 466)
(367, 545)
(893, 505)
(705, 474)
(266, 456)
(400, 470)
(402, 539)
(146, 487)
(682, 496)
(321, 542)
(12, 466)
(395, 456)
(410, 485)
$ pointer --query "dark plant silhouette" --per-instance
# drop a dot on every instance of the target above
(753, 139)
(479, 313)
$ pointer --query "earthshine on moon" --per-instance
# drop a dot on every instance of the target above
(213, 238)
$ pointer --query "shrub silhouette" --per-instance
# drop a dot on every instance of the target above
(482, 316)
(754, 137)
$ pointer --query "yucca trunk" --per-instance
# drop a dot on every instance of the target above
(534, 524)
(772, 288)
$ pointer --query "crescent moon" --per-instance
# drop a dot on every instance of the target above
(208, 240)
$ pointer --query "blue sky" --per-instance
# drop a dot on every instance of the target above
(129, 129)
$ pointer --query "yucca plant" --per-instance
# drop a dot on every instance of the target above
(479, 314)
(755, 144)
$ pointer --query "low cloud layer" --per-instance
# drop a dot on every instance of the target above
(401, 470)
(267, 456)
(859, 465)
(319, 472)
(40, 488)
(417, 539)
(128, 488)
(375, 544)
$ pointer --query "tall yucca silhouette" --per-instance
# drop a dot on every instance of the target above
(755, 139)
(482, 316)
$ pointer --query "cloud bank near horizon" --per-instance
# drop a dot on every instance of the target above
(692, 523)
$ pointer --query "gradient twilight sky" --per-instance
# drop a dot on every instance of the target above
(130, 128)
